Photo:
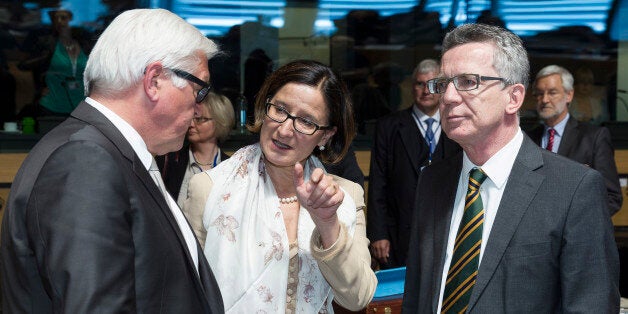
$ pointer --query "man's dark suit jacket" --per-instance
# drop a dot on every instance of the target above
(551, 248)
(173, 166)
(88, 231)
(398, 154)
(590, 145)
(347, 168)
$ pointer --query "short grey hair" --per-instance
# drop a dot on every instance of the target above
(565, 75)
(137, 38)
(510, 58)
(426, 66)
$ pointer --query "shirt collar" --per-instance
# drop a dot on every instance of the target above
(129, 133)
(560, 127)
(422, 116)
(498, 167)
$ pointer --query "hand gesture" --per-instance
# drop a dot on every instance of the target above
(321, 196)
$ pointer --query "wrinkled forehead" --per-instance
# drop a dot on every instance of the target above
(472, 58)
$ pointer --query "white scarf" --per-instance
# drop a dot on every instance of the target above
(247, 244)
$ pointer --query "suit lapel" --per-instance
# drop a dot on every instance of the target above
(523, 184)
(413, 141)
(92, 116)
(202, 280)
(569, 137)
(449, 171)
(210, 286)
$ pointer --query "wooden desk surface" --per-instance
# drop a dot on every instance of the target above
(9, 164)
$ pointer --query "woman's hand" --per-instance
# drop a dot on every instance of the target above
(321, 196)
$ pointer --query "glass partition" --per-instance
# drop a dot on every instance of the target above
(373, 44)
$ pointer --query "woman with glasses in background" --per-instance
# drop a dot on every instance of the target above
(201, 152)
(282, 234)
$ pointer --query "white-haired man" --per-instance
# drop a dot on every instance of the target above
(561, 133)
(89, 226)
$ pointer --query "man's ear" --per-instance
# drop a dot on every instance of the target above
(570, 96)
(151, 81)
(517, 94)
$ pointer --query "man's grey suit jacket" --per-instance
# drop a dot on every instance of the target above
(589, 145)
(551, 248)
(88, 231)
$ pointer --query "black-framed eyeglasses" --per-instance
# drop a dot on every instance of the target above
(462, 82)
(200, 120)
(301, 125)
(202, 93)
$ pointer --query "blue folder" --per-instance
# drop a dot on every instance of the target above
(390, 283)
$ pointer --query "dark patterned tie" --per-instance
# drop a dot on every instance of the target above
(550, 140)
(429, 136)
(463, 269)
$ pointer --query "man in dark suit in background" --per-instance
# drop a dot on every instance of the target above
(404, 143)
(505, 226)
(88, 229)
(561, 133)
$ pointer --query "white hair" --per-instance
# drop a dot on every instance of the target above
(136, 38)
(427, 66)
(565, 75)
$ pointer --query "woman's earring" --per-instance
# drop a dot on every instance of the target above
(321, 148)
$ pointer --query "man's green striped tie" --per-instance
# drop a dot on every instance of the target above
(463, 269)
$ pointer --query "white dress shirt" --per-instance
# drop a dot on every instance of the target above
(560, 130)
(420, 118)
(497, 168)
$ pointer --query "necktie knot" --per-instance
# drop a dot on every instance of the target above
(476, 178)
(429, 132)
(153, 166)
(429, 122)
(550, 139)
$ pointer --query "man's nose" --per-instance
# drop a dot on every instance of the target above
(450, 91)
